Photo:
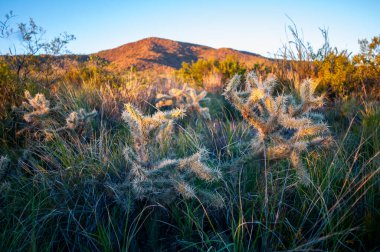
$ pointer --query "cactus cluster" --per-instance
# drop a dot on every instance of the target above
(35, 110)
(186, 98)
(78, 119)
(286, 125)
(162, 180)
(35, 107)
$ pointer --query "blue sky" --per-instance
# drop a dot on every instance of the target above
(256, 26)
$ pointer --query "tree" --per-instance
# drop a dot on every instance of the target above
(367, 64)
(5, 29)
(17, 65)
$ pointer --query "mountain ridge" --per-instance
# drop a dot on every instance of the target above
(154, 52)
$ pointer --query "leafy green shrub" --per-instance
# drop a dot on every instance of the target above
(9, 90)
(197, 73)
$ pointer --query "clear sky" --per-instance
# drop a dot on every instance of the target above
(256, 26)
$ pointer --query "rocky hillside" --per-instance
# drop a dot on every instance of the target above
(164, 53)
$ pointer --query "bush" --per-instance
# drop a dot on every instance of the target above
(210, 73)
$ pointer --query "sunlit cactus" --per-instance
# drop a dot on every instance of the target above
(78, 119)
(35, 107)
(286, 125)
(34, 112)
(186, 98)
(157, 179)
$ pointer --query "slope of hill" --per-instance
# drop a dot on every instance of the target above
(164, 53)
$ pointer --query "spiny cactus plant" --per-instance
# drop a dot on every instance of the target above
(186, 98)
(35, 110)
(36, 106)
(78, 119)
(158, 179)
(286, 124)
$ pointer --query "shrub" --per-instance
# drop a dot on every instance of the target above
(9, 90)
(207, 73)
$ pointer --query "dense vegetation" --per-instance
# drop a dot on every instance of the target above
(95, 160)
(340, 73)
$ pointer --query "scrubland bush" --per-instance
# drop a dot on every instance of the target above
(8, 89)
(339, 73)
(210, 74)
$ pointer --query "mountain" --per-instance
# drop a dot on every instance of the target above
(154, 52)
